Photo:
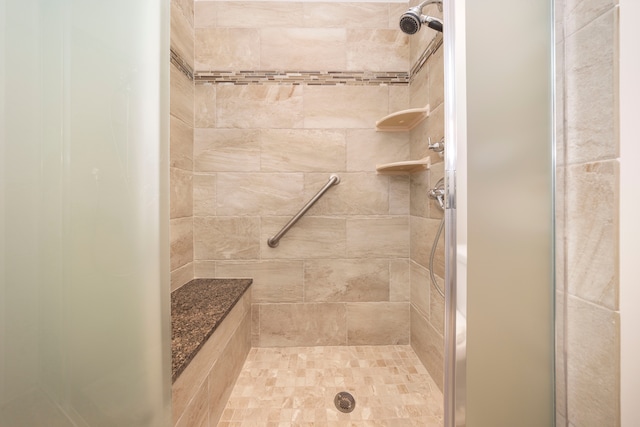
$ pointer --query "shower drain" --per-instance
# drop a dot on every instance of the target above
(344, 402)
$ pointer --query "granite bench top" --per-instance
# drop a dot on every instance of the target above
(197, 308)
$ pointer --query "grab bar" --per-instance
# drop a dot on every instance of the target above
(273, 241)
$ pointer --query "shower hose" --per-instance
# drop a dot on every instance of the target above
(433, 254)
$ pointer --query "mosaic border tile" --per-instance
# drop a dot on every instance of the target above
(311, 78)
(319, 78)
(181, 64)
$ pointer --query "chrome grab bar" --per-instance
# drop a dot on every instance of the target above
(273, 241)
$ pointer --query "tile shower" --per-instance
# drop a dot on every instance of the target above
(264, 108)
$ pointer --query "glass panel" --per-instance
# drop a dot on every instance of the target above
(510, 290)
(84, 307)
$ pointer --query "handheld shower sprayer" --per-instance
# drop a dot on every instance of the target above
(412, 19)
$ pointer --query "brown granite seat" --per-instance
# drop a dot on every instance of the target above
(197, 309)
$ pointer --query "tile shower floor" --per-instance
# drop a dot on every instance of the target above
(296, 386)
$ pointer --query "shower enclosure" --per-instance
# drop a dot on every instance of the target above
(84, 254)
(84, 333)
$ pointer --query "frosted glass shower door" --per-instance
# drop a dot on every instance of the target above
(84, 291)
(500, 301)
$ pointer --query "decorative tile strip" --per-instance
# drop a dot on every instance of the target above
(435, 44)
(311, 78)
(317, 78)
(181, 64)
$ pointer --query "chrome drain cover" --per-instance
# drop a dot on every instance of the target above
(344, 402)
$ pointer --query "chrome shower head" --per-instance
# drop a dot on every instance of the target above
(412, 19)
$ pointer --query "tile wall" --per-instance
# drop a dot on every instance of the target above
(588, 359)
(427, 306)
(264, 145)
(181, 136)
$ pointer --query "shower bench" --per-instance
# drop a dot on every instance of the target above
(210, 339)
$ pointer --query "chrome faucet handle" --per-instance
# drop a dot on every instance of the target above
(438, 147)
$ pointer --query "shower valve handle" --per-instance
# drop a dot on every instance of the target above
(438, 147)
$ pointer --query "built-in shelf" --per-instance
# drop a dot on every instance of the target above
(402, 121)
(404, 167)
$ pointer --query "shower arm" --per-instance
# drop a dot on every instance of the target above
(428, 2)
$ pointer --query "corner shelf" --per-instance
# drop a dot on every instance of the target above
(402, 121)
(409, 166)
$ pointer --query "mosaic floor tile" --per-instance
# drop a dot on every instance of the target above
(296, 386)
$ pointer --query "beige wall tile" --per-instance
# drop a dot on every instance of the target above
(204, 194)
(303, 150)
(399, 194)
(273, 281)
(335, 280)
(182, 30)
(255, 325)
(344, 106)
(227, 49)
(270, 106)
(311, 237)
(181, 242)
(436, 302)
(435, 69)
(399, 280)
(560, 352)
(197, 411)
(205, 106)
(429, 346)
(377, 50)
(288, 49)
(591, 64)
(560, 232)
(302, 324)
(225, 371)
(399, 97)
(181, 146)
(420, 290)
(259, 14)
(378, 237)
(226, 238)
(367, 148)
(419, 187)
(181, 195)
(560, 144)
(204, 269)
(226, 150)
(181, 276)
(206, 14)
(593, 363)
(395, 12)
(259, 193)
(181, 96)
(419, 88)
(356, 194)
(346, 15)
(578, 13)
(592, 232)
(378, 323)
(185, 7)
(425, 229)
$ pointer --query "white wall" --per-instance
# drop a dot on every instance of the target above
(629, 210)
